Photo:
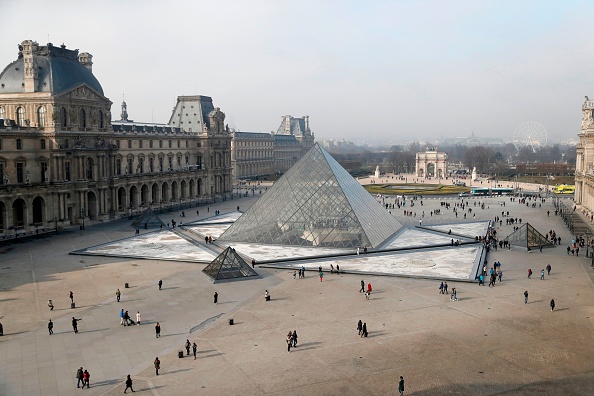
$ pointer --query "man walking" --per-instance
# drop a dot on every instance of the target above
(160, 284)
(50, 327)
(194, 349)
(157, 364)
(401, 386)
(216, 297)
(362, 286)
(549, 269)
(526, 297)
(360, 326)
(71, 295)
(157, 330)
(122, 316)
(128, 384)
(542, 274)
(79, 377)
(500, 274)
(188, 345)
(118, 295)
(552, 304)
(75, 324)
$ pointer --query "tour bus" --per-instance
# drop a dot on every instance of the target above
(564, 189)
(479, 191)
(502, 191)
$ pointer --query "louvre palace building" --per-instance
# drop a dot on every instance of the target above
(63, 160)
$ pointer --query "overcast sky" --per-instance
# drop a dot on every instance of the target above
(367, 71)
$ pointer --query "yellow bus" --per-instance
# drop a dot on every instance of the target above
(564, 189)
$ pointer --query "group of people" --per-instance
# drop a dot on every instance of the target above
(83, 376)
(193, 346)
(126, 320)
(362, 328)
(368, 291)
(291, 340)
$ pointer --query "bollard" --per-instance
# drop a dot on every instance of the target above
(180, 354)
(230, 322)
(126, 285)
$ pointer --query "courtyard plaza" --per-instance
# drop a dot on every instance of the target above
(487, 342)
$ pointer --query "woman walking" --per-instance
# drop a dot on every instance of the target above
(128, 384)
(289, 341)
(294, 338)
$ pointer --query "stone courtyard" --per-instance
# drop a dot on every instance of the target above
(488, 342)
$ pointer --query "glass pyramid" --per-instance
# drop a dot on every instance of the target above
(148, 219)
(228, 265)
(316, 203)
(528, 237)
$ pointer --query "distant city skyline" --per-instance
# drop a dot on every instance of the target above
(369, 72)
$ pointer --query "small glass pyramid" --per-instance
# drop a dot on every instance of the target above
(316, 203)
(528, 237)
(228, 265)
(148, 219)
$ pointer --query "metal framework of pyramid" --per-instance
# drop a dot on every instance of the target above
(228, 265)
(316, 203)
(148, 219)
(528, 237)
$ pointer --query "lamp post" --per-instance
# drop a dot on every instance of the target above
(82, 216)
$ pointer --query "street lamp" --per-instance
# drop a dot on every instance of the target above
(82, 215)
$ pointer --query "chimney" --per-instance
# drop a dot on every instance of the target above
(306, 123)
(29, 47)
(288, 124)
(86, 60)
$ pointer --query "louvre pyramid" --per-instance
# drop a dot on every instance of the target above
(528, 237)
(148, 218)
(316, 203)
(228, 265)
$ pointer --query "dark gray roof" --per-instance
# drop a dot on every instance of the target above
(58, 71)
(252, 135)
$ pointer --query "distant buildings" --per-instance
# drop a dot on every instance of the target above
(584, 164)
(431, 163)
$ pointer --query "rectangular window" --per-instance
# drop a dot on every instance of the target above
(187, 144)
(67, 170)
(151, 164)
(118, 167)
(140, 165)
(187, 160)
(1, 175)
(129, 144)
(170, 164)
(160, 164)
(130, 166)
(44, 171)
(199, 161)
(178, 162)
(140, 144)
(118, 143)
(160, 144)
(199, 144)
(178, 144)
(42, 144)
(150, 143)
(19, 144)
(20, 168)
(170, 144)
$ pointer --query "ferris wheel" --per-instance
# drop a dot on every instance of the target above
(531, 134)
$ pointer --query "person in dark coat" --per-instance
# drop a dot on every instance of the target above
(86, 379)
(188, 346)
(157, 330)
(50, 327)
(294, 338)
(160, 284)
(79, 377)
(362, 286)
(364, 330)
(75, 324)
(157, 364)
(194, 349)
(128, 384)
(1, 330)
(552, 304)
(216, 297)
(360, 326)
(401, 386)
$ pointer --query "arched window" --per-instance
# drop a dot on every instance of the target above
(63, 117)
(20, 116)
(1, 112)
(82, 119)
(41, 116)
(101, 120)
(89, 169)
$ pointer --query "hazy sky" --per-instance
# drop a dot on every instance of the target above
(367, 71)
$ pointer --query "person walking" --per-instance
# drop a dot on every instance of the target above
(321, 276)
(362, 286)
(289, 341)
(364, 330)
(441, 288)
(157, 364)
(188, 346)
(157, 330)
(500, 274)
(128, 384)
(50, 304)
(369, 288)
(160, 284)
(552, 304)
(122, 316)
(360, 326)
(253, 263)
(529, 272)
(79, 377)
(294, 336)
(194, 349)
(138, 318)
(526, 297)
(127, 320)
(118, 295)
(86, 379)
(71, 295)
(445, 287)
(542, 274)
(549, 269)
(454, 296)
(401, 386)
(50, 327)
(216, 297)
(367, 294)
(75, 324)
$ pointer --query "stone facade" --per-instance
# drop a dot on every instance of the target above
(62, 160)
(584, 164)
(255, 154)
(431, 163)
